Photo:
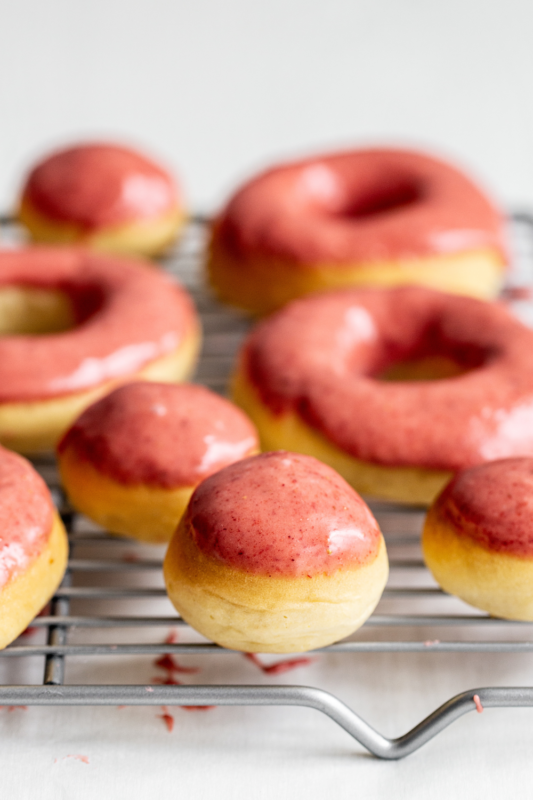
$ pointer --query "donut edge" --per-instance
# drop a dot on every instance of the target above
(498, 583)
(25, 595)
(263, 614)
(146, 237)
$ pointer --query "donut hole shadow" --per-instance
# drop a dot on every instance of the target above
(34, 311)
(390, 195)
(431, 357)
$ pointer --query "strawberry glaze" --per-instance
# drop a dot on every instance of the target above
(282, 514)
(127, 315)
(359, 206)
(322, 356)
(161, 434)
(26, 515)
(492, 504)
(100, 185)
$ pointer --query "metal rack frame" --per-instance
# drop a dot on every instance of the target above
(410, 581)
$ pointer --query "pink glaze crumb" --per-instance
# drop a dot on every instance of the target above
(161, 434)
(167, 718)
(83, 759)
(477, 701)
(172, 637)
(169, 663)
(279, 667)
(282, 513)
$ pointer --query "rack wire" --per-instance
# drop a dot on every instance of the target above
(113, 586)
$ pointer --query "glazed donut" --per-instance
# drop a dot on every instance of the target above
(104, 196)
(478, 537)
(396, 389)
(276, 554)
(366, 217)
(33, 546)
(101, 321)
(132, 460)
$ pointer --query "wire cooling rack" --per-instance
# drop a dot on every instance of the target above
(113, 587)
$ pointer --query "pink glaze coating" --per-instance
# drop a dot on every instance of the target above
(321, 357)
(26, 515)
(161, 434)
(282, 514)
(100, 185)
(127, 315)
(359, 206)
(493, 505)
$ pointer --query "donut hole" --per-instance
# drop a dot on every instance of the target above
(392, 194)
(433, 358)
(425, 368)
(33, 311)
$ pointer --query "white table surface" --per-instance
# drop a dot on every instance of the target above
(217, 89)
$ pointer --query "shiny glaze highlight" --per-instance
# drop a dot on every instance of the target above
(161, 434)
(26, 515)
(127, 315)
(100, 185)
(359, 207)
(282, 514)
(322, 357)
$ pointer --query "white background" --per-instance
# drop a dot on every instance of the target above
(217, 88)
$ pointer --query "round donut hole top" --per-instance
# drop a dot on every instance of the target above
(430, 355)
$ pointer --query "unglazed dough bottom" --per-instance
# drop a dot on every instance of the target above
(498, 583)
(260, 614)
(25, 595)
(36, 427)
(149, 514)
(411, 485)
(143, 238)
(268, 284)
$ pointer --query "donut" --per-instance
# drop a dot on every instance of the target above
(397, 389)
(33, 545)
(76, 324)
(478, 537)
(104, 196)
(131, 460)
(276, 554)
(366, 217)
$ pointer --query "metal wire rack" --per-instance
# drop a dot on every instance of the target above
(113, 586)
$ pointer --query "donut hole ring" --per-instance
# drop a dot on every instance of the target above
(367, 217)
(115, 320)
(310, 377)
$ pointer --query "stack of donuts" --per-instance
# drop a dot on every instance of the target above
(384, 365)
